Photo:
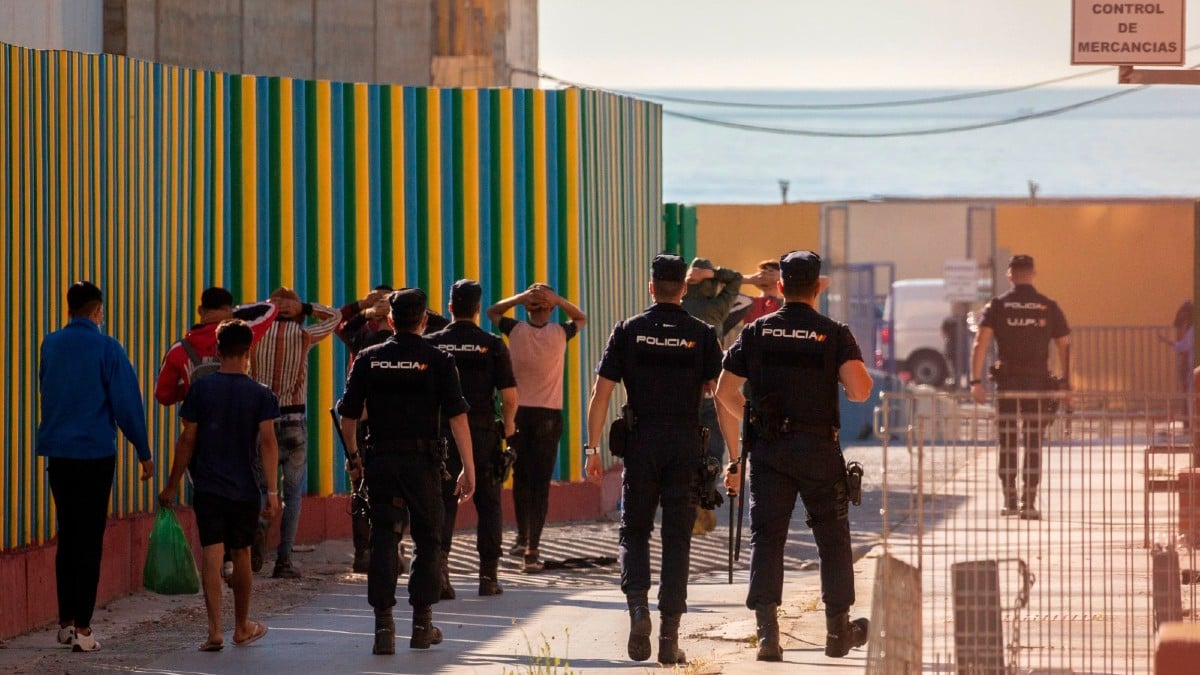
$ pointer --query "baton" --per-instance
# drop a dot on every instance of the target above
(737, 542)
(356, 491)
(730, 536)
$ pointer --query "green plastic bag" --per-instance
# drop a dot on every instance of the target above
(170, 568)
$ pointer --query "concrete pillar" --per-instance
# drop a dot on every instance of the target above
(279, 38)
(345, 40)
(76, 25)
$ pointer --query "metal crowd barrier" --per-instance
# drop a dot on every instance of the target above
(1084, 588)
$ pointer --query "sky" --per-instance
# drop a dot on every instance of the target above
(825, 44)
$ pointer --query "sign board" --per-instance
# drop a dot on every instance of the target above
(1127, 33)
(961, 280)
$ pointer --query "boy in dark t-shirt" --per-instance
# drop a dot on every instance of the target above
(227, 417)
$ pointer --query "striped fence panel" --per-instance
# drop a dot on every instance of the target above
(156, 181)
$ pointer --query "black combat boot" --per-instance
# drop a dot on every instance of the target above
(385, 632)
(1029, 510)
(424, 633)
(842, 634)
(668, 641)
(767, 618)
(447, 592)
(1010, 499)
(489, 577)
(361, 531)
(639, 629)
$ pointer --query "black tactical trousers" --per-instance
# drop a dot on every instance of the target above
(1027, 418)
(415, 478)
(538, 432)
(661, 467)
(485, 444)
(814, 469)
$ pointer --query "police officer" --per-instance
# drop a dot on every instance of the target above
(791, 363)
(408, 385)
(1024, 323)
(666, 359)
(484, 367)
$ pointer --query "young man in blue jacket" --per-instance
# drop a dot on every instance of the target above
(88, 389)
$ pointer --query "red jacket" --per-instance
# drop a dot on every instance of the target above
(175, 375)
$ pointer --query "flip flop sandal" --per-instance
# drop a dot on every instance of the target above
(259, 631)
(212, 646)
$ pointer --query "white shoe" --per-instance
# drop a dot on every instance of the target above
(85, 643)
(66, 635)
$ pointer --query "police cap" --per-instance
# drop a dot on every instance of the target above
(1020, 261)
(81, 293)
(702, 264)
(465, 293)
(801, 267)
(667, 267)
(408, 304)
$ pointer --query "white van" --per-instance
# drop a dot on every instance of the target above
(911, 331)
(916, 309)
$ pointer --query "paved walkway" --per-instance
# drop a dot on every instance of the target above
(553, 622)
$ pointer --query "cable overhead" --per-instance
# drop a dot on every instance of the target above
(821, 133)
(815, 133)
(927, 100)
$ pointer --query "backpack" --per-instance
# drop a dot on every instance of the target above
(201, 365)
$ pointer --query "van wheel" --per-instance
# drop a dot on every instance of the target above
(927, 367)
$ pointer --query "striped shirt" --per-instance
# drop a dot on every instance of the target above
(280, 358)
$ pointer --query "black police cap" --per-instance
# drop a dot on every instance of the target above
(408, 303)
(81, 293)
(465, 292)
(1020, 261)
(801, 267)
(667, 267)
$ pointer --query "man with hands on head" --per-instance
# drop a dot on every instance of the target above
(538, 349)
(280, 361)
(711, 294)
(410, 388)
(666, 360)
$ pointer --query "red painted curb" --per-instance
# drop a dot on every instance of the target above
(28, 586)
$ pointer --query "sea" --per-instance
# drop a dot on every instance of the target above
(1145, 142)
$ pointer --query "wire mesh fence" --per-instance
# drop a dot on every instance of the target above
(1064, 559)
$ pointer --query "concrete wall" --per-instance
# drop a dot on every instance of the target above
(1108, 264)
(445, 43)
(739, 235)
(76, 25)
(917, 237)
(1112, 263)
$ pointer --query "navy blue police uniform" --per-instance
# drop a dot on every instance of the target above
(408, 385)
(791, 361)
(484, 368)
(664, 357)
(1024, 322)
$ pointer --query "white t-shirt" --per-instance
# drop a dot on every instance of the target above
(538, 354)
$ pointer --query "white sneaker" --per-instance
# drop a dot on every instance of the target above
(85, 643)
(66, 635)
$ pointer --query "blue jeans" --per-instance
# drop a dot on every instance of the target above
(292, 436)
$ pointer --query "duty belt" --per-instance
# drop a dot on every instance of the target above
(402, 446)
(482, 422)
(824, 431)
(668, 420)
